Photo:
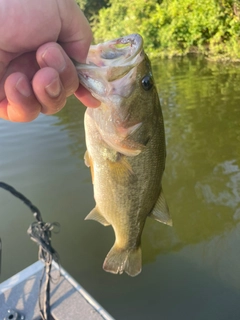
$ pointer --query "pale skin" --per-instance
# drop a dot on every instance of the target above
(37, 40)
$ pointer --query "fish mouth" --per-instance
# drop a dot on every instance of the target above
(109, 66)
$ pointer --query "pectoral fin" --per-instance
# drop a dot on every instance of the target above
(97, 216)
(161, 212)
(122, 170)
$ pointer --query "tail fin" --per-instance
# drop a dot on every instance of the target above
(119, 260)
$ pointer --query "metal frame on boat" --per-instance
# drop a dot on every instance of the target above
(19, 297)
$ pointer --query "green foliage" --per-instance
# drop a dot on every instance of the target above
(174, 27)
(91, 7)
(123, 18)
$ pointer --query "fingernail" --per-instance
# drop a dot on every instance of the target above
(23, 87)
(54, 88)
(53, 57)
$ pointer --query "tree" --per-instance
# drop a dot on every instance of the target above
(91, 7)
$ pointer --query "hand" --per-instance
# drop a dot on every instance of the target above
(36, 40)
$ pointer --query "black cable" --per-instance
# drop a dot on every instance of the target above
(28, 203)
(39, 232)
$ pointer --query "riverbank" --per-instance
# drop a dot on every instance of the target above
(174, 28)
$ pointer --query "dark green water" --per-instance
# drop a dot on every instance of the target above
(190, 271)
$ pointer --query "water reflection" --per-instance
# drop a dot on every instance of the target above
(225, 190)
(71, 119)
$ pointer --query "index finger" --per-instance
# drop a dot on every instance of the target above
(75, 36)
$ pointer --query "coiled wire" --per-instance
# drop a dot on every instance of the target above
(40, 232)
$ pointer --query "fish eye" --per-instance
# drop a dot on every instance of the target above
(147, 82)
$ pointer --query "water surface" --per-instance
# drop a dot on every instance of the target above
(190, 271)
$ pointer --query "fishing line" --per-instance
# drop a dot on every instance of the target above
(40, 232)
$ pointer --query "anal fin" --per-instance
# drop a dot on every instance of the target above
(161, 212)
(97, 216)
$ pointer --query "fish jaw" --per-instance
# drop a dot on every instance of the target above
(110, 69)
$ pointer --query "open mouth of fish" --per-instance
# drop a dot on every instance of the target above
(110, 66)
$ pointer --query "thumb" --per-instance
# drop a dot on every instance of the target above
(75, 36)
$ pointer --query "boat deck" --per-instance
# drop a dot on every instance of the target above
(68, 299)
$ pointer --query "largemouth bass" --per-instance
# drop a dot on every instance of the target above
(125, 146)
